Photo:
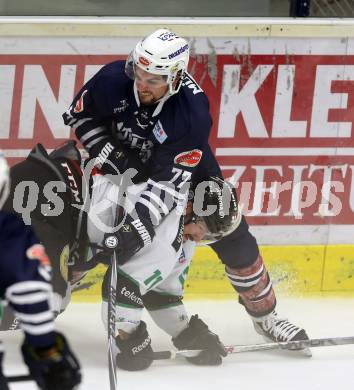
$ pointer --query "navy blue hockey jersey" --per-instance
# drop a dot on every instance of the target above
(25, 279)
(169, 137)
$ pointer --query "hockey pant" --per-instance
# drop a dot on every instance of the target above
(154, 279)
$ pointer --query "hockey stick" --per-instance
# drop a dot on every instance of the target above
(111, 312)
(289, 345)
(112, 296)
(18, 378)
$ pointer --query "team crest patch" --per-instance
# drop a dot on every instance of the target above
(189, 159)
(79, 106)
(37, 252)
(159, 132)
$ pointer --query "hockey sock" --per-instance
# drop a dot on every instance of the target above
(171, 319)
(254, 288)
(168, 311)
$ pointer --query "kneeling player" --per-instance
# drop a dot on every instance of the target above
(153, 278)
(25, 276)
(54, 215)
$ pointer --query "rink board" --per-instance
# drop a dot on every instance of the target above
(281, 97)
(295, 270)
(296, 129)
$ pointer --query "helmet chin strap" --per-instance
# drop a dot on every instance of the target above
(160, 102)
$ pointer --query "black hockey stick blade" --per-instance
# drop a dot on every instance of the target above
(290, 345)
(18, 378)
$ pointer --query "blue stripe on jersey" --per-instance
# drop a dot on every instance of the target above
(159, 199)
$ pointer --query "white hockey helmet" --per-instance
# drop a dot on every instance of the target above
(161, 53)
(4, 180)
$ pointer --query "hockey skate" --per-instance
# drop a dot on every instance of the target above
(276, 329)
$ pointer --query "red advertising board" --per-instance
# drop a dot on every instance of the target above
(283, 124)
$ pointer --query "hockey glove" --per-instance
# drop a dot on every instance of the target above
(130, 238)
(53, 368)
(198, 336)
(114, 159)
(135, 353)
(221, 195)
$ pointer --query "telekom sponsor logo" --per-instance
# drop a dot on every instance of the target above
(283, 125)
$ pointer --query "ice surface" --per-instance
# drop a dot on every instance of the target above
(329, 368)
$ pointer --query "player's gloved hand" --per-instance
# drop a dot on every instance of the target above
(135, 352)
(53, 368)
(133, 235)
(114, 159)
(198, 336)
(221, 195)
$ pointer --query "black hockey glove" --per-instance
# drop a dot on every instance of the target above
(128, 240)
(198, 336)
(53, 368)
(113, 159)
(135, 353)
(221, 195)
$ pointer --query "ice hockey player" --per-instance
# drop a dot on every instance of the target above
(45, 192)
(25, 284)
(41, 169)
(154, 277)
(246, 271)
(160, 124)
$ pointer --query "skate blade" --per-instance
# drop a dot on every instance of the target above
(305, 352)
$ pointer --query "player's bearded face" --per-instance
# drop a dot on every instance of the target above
(151, 87)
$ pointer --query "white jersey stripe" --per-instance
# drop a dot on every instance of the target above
(36, 318)
(74, 123)
(91, 133)
(167, 189)
(152, 209)
(24, 287)
(28, 299)
(38, 329)
(95, 141)
(158, 200)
